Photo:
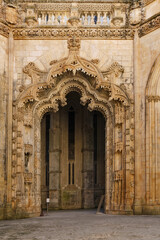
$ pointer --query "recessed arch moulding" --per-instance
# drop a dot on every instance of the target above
(47, 92)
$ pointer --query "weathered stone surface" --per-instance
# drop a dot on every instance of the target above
(107, 54)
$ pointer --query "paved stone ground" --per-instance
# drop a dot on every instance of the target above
(82, 225)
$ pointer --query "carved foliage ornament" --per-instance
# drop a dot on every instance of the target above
(74, 63)
(32, 71)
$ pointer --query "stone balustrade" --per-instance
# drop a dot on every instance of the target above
(61, 18)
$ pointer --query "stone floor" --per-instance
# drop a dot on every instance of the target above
(82, 225)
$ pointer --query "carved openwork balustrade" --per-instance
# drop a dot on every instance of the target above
(87, 14)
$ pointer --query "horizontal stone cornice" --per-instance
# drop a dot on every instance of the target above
(65, 32)
(153, 98)
(71, 1)
(149, 25)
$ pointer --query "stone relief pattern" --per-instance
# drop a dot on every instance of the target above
(50, 33)
(80, 6)
(149, 26)
(83, 32)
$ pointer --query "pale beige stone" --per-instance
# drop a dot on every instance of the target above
(111, 68)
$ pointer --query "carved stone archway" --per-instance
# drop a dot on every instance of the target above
(98, 91)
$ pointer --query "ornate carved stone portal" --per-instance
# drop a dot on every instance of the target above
(78, 123)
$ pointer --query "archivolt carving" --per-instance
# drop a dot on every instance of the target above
(58, 96)
(75, 64)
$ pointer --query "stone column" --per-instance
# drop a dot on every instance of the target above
(88, 160)
(92, 18)
(86, 19)
(98, 18)
(54, 160)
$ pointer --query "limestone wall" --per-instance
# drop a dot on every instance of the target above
(3, 118)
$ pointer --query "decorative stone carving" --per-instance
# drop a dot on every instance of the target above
(33, 71)
(74, 44)
(11, 14)
(74, 18)
(135, 16)
(113, 72)
(27, 178)
(65, 33)
(118, 175)
(118, 15)
(30, 18)
(153, 98)
(73, 63)
(119, 114)
(149, 25)
(28, 120)
(28, 148)
(4, 30)
(118, 146)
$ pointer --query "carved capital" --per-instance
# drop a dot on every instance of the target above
(153, 98)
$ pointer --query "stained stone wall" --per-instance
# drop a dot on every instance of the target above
(3, 119)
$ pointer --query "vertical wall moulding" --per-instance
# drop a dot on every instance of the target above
(152, 140)
(138, 133)
(9, 125)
